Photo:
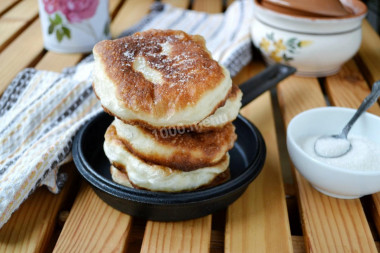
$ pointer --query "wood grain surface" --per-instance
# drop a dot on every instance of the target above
(93, 226)
(129, 14)
(191, 236)
(73, 242)
(348, 89)
(18, 56)
(369, 53)
(6, 5)
(30, 228)
(260, 215)
(42, 208)
(12, 22)
(257, 222)
(208, 6)
(329, 224)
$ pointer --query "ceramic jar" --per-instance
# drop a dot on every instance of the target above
(317, 47)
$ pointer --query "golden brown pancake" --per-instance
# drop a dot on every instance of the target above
(146, 175)
(224, 114)
(175, 148)
(160, 78)
(119, 175)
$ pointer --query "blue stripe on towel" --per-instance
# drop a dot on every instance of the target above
(181, 16)
(241, 18)
(192, 29)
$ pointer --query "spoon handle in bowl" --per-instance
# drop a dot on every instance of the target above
(367, 103)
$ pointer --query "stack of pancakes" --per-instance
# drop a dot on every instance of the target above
(173, 107)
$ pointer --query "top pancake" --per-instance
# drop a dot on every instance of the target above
(160, 78)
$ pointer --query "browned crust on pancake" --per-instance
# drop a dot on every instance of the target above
(194, 128)
(188, 73)
(234, 91)
(124, 173)
(111, 135)
(203, 128)
(219, 179)
(209, 144)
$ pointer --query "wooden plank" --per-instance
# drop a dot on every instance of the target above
(56, 61)
(213, 6)
(305, 94)
(329, 224)
(369, 52)
(30, 227)
(348, 89)
(229, 2)
(30, 214)
(113, 6)
(188, 236)
(15, 20)
(260, 216)
(298, 244)
(180, 4)
(93, 226)
(20, 54)
(129, 14)
(6, 5)
(41, 226)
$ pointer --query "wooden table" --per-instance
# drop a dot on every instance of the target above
(279, 212)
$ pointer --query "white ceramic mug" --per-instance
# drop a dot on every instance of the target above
(73, 26)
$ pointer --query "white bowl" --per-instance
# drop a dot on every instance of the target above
(328, 179)
(317, 47)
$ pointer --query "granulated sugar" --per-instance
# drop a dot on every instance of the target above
(328, 146)
(363, 156)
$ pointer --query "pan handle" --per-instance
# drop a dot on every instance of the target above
(263, 81)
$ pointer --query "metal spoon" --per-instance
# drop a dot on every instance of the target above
(332, 146)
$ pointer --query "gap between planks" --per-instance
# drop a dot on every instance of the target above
(13, 22)
(253, 221)
(31, 226)
(78, 229)
(37, 241)
(348, 89)
(369, 53)
(20, 54)
(6, 5)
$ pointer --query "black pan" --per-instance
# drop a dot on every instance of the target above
(246, 161)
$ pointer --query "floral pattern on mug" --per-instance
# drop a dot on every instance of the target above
(74, 11)
(280, 50)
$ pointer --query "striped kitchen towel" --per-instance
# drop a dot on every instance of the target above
(41, 111)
